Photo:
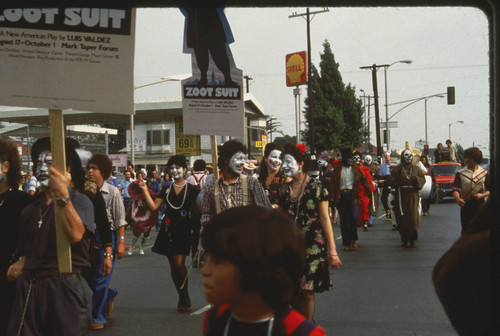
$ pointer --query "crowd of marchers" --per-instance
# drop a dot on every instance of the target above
(292, 198)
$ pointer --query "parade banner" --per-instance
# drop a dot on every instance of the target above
(212, 99)
(296, 68)
(68, 58)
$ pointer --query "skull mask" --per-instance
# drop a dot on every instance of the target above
(356, 159)
(407, 157)
(368, 160)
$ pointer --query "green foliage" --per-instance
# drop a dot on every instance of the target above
(337, 111)
(285, 139)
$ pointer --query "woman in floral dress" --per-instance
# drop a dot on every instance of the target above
(306, 199)
(270, 175)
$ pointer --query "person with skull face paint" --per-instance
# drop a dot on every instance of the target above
(407, 179)
(12, 202)
(174, 237)
(307, 200)
(364, 196)
(49, 302)
(233, 188)
(270, 175)
(374, 171)
(344, 187)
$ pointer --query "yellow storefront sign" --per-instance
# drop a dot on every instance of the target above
(187, 145)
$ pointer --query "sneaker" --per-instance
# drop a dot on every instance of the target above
(365, 227)
(97, 326)
(141, 251)
(130, 250)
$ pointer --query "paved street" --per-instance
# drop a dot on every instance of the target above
(382, 289)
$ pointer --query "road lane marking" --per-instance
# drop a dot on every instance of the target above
(201, 310)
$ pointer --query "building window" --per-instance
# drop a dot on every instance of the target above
(158, 137)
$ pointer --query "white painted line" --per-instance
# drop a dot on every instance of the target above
(201, 310)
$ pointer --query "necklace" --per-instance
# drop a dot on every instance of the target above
(299, 191)
(180, 186)
(406, 174)
(40, 222)
(183, 200)
(269, 327)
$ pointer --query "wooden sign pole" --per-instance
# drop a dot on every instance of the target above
(59, 161)
(213, 142)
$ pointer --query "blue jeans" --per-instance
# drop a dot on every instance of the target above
(102, 293)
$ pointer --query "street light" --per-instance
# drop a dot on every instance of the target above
(386, 99)
(449, 127)
(132, 116)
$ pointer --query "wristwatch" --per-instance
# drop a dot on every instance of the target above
(63, 201)
(122, 237)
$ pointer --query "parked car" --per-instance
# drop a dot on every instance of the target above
(444, 173)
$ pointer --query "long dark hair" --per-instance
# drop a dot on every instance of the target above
(72, 159)
(9, 153)
(263, 164)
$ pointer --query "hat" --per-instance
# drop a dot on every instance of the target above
(249, 166)
(408, 146)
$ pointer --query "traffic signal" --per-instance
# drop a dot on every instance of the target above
(426, 150)
(451, 95)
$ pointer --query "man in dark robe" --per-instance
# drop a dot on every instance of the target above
(407, 179)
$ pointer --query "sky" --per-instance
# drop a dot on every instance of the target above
(447, 46)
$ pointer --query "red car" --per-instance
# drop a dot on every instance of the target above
(444, 173)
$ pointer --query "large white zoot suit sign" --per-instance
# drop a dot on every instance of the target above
(67, 58)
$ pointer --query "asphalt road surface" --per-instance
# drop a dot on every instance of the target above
(382, 288)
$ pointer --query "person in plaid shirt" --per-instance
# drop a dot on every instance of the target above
(232, 189)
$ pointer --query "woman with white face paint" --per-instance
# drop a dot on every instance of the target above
(174, 236)
(270, 175)
(306, 199)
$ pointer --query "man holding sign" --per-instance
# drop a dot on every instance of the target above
(49, 302)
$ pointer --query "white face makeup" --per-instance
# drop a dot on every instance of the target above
(42, 169)
(407, 156)
(290, 165)
(274, 160)
(237, 161)
(176, 171)
(356, 159)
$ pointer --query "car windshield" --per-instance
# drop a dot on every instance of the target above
(445, 170)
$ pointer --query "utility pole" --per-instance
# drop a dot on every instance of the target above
(308, 19)
(375, 98)
(247, 78)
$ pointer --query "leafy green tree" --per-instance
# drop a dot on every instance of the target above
(285, 139)
(338, 113)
